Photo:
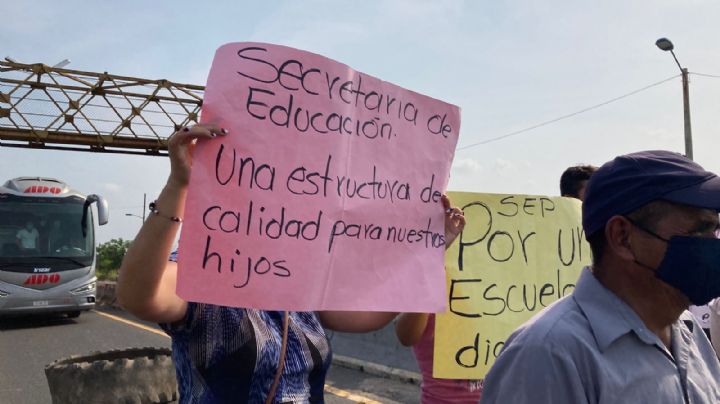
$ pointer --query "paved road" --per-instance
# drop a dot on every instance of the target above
(27, 345)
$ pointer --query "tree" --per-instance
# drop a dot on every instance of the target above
(111, 254)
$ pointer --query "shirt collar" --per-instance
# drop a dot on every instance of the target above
(609, 317)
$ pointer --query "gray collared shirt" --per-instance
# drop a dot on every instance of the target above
(591, 347)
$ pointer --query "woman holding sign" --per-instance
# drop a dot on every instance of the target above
(225, 354)
(418, 331)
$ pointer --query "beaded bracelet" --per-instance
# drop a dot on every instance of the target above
(154, 210)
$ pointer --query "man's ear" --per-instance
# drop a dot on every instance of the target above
(618, 231)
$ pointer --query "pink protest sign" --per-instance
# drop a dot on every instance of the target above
(325, 194)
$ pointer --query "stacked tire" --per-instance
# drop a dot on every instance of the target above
(129, 376)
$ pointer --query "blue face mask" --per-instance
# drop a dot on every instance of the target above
(691, 265)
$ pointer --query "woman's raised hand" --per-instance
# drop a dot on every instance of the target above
(181, 146)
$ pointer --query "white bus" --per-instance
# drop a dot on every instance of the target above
(47, 247)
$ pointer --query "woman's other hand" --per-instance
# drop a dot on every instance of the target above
(454, 221)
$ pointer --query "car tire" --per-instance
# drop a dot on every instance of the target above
(133, 375)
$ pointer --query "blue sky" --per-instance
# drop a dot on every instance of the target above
(508, 65)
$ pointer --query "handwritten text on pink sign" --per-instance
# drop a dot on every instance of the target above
(325, 195)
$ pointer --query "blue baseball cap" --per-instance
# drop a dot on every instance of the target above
(631, 181)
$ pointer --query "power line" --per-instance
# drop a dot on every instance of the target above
(494, 139)
(705, 75)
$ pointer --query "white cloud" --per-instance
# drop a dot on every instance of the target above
(111, 187)
(504, 166)
(467, 166)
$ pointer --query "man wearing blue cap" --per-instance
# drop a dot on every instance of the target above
(624, 335)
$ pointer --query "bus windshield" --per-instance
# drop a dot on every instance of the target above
(37, 230)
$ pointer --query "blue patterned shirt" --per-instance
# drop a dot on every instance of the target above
(230, 355)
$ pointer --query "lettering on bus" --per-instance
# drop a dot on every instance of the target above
(42, 279)
(42, 189)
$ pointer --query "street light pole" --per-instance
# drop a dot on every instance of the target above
(143, 210)
(666, 45)
(686, 114)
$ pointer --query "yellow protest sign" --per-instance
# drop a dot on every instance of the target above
(517, 255)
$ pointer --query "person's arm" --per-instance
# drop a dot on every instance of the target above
(146, 285)
(355, 321)
(410, 327)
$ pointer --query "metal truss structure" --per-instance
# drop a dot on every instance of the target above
(55, 108)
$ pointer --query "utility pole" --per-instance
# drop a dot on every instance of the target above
(686, 114)
(666, 45)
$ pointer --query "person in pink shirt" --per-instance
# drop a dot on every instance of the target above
(418, 331)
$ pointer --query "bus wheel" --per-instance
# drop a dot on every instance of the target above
(132, 375)
(73, 314)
